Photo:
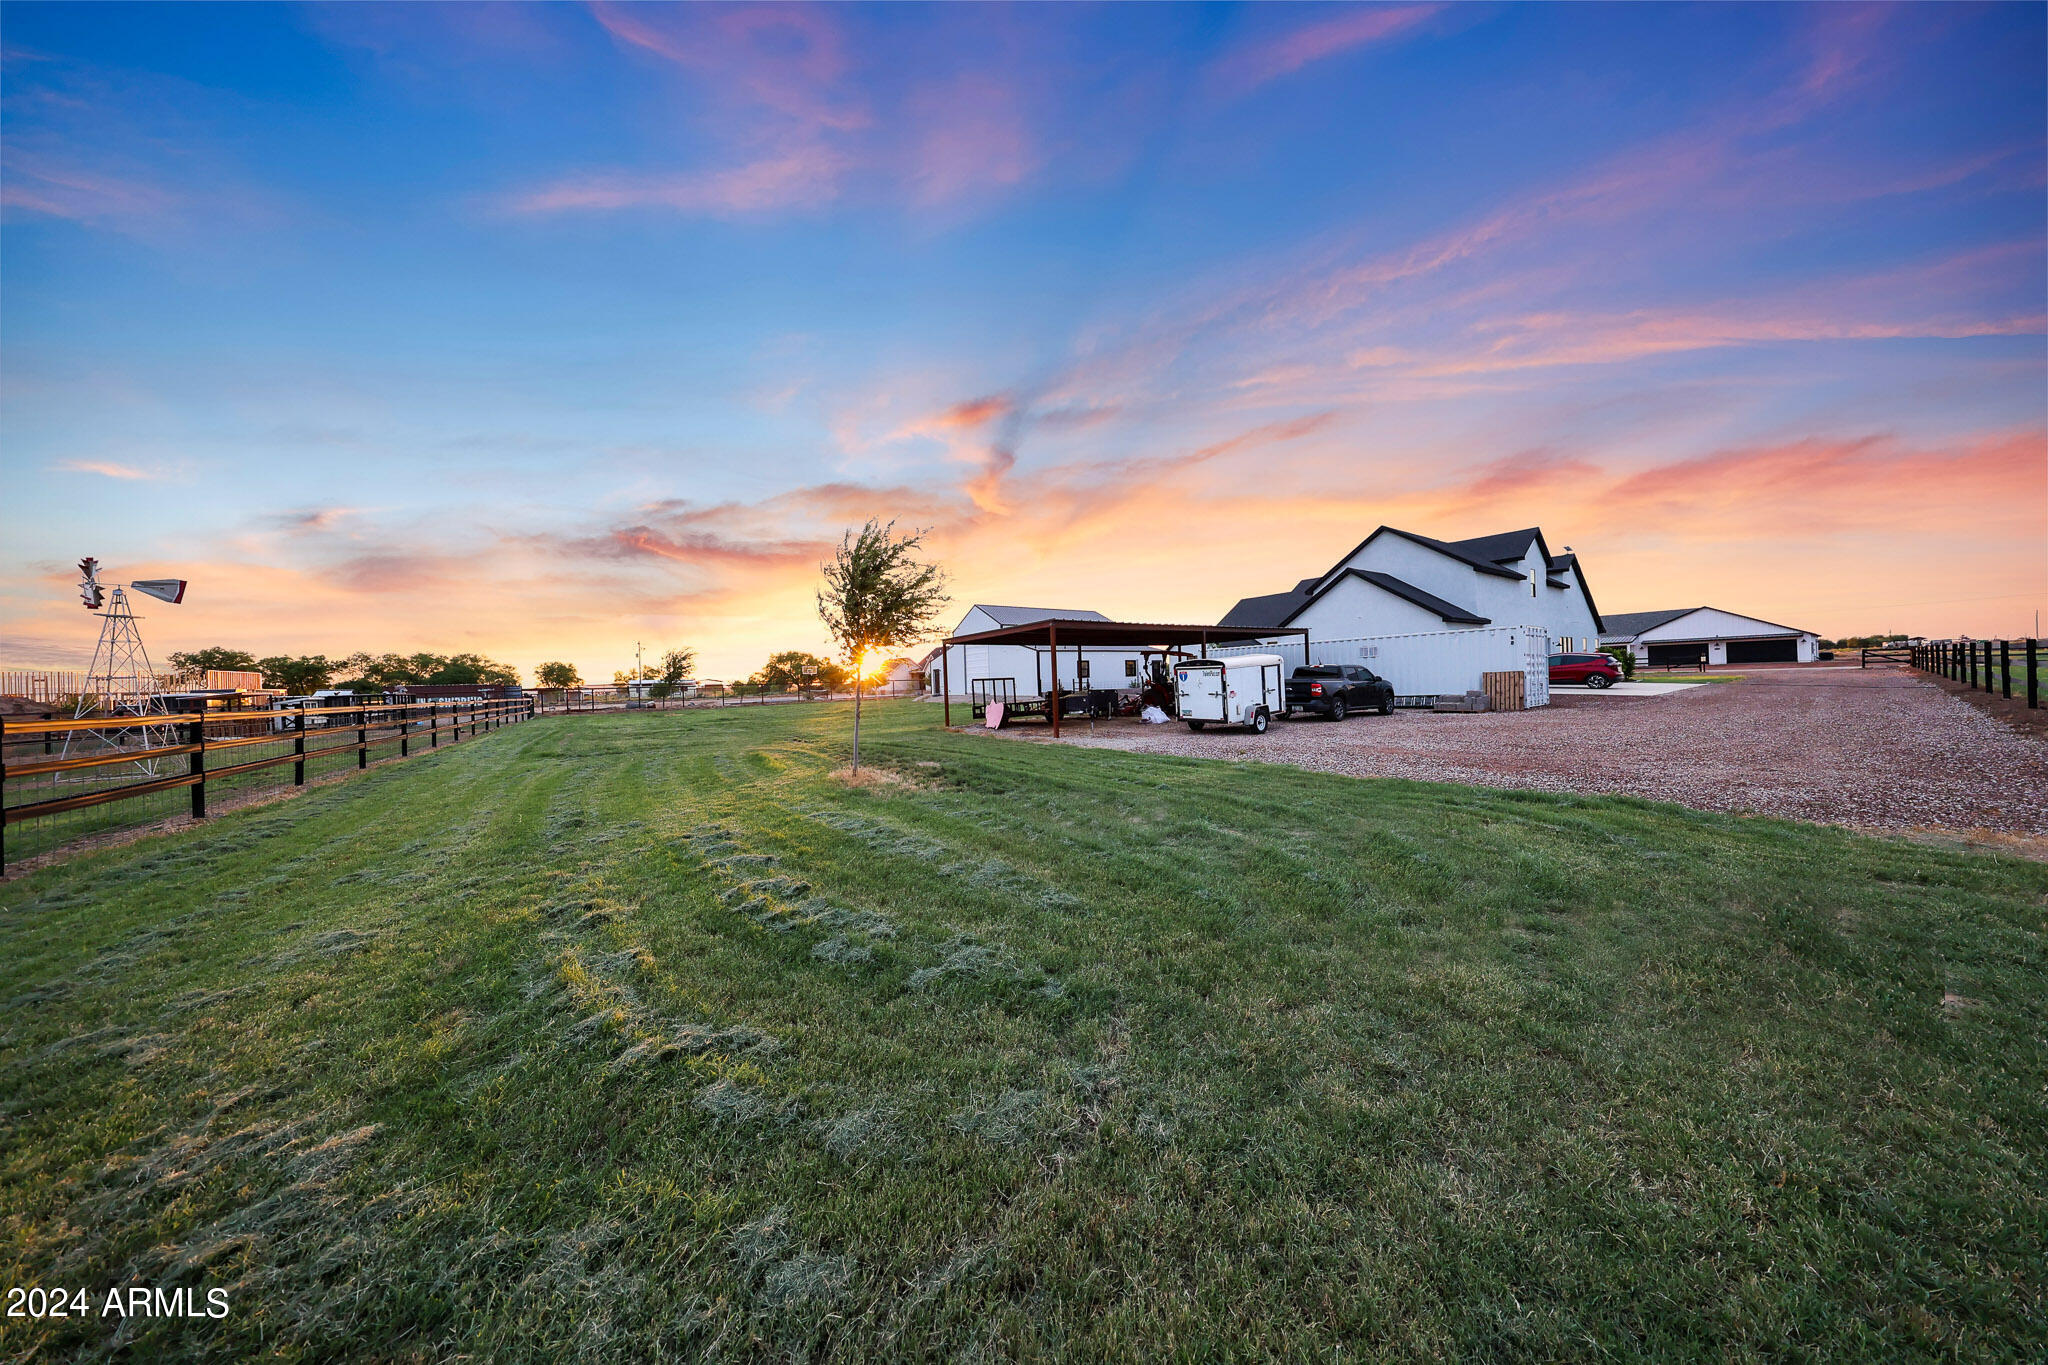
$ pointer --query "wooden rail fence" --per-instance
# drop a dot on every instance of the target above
(184, 751)
(1984, 665)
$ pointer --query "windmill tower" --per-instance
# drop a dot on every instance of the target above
(121, 680)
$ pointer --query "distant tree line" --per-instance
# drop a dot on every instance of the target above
(360, 672)
(1863, 641)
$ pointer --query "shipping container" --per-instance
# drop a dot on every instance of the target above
(1431, 664)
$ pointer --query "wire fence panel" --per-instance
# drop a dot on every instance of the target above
(64, 781)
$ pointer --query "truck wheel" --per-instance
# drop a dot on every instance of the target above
(1337, 711)
(1259, 721)
(1196, 724)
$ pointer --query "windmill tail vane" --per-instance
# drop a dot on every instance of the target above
(94, 596)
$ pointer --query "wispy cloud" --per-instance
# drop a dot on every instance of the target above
(43, 184)
(106, 469)
(800, 177)
(1254, 63)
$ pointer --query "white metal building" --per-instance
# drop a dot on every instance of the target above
(1686, 635)
(1021, 670)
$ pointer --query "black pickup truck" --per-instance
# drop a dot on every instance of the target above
(1335, 690)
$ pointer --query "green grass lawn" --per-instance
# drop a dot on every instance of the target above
(1689, 677)
(638, 1035)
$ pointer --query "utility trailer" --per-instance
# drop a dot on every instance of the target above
(1247, 689)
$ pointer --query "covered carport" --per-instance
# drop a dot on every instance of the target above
(1144, 637)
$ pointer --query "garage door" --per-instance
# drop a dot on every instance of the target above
(1668, 656)
(1763, 651)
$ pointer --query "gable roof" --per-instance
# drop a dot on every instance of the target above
(1483, 554)
(1636, 622)
(1274, 609)
(1279, 609)
(1449, 611)
(1443, 547)
(1506, 545)
(1025, 616)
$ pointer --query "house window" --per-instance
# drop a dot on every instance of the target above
(1130, 668)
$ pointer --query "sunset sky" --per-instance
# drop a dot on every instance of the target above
(538, 330)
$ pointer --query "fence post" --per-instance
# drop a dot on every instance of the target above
(363, 738)
(433, 725)
(405, 731)
(198, 769)
(299, 750)
(2033, 675)
(2005, 669)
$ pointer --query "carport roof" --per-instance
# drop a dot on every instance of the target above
(1104, 634)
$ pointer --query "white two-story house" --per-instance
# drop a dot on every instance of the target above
(1528, 601)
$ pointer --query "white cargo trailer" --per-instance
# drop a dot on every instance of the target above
(1248, 689)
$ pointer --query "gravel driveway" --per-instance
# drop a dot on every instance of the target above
(1880, 748)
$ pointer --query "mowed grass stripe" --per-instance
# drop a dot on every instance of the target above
(640, 1034)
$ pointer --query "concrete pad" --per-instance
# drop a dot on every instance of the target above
(1628, 689)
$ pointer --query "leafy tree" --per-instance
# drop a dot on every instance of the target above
(675, 666)
(301, 677)
(640, 674)
(557, 674)
(786, 670)
(383, 672)
(204, 660)
(469, 668)
(878, 595)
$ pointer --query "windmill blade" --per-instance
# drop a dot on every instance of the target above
(163, 589)
(89, 590)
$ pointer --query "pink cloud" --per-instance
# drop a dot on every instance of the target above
(802, 177)
(106, 469)
(39, 184)
(1254, 64)
(970, 134)
(785, 59)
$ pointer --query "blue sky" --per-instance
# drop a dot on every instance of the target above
(540, 329)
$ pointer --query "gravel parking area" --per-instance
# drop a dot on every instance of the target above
(1878, 748)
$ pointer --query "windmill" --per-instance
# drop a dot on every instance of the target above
(121, 680)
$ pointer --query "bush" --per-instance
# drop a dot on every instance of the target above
(1622, 656)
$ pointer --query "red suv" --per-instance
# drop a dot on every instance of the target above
(1594, 670)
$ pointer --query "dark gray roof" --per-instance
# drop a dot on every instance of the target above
(1271, 610)
(1485, 554)
(1503, 546)
(1280, 608)
(1024, 616)
(1636, 622)
(1455, 551)
(1450, 611)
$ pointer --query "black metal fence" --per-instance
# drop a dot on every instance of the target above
(2000, 666)
(64, 780)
